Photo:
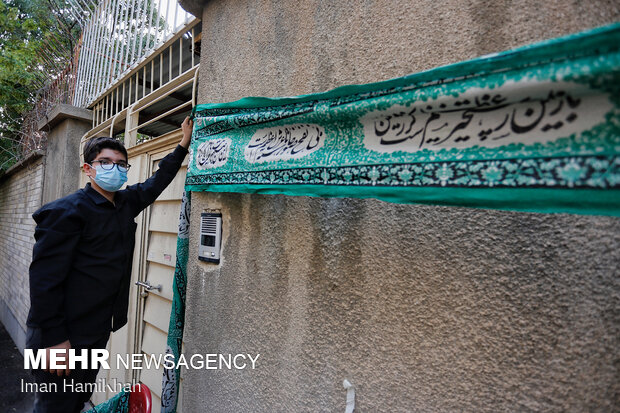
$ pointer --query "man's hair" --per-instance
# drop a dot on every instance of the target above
(95, 145)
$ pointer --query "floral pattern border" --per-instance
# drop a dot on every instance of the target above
(602, 172)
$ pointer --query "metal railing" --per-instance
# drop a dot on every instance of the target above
(117, 36)
(171, 60)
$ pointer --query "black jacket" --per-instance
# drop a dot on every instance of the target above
(82, 258)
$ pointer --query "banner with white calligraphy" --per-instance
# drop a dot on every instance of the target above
(533, 129)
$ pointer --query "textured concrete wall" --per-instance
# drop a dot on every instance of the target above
(421, 308)
(284, 47)
(20, 196)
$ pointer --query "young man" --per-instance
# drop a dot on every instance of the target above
(81, 264)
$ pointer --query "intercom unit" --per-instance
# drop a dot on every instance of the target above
(210, 237)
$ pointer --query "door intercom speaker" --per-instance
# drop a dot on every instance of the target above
(210, 237)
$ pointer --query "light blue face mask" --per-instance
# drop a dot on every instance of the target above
(110, 180)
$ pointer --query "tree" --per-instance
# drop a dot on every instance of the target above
(38, 41)
(37, 38)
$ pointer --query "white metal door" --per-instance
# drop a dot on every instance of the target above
(160, 238)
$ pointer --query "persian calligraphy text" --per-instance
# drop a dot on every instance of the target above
(486, 118)
(212, 153)
(284, 142)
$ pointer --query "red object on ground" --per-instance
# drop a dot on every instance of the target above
(140, 399)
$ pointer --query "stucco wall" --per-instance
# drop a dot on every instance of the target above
(20, 196)
(420, 307)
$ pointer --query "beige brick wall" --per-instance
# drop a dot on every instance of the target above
(20, 196)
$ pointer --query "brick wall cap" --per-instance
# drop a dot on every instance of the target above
(61, 112)
(31, 157)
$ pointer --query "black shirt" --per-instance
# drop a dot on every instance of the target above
(81, 262)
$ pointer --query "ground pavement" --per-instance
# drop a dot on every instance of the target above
(12, 399)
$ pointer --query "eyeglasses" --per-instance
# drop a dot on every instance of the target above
(107, 165)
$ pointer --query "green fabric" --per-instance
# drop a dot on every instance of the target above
(172, 377)
(480, 133)
(598, 202)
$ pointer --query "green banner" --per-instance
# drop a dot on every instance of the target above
(533, 129)
(172, 376)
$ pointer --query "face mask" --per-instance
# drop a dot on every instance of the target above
(110, 180)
